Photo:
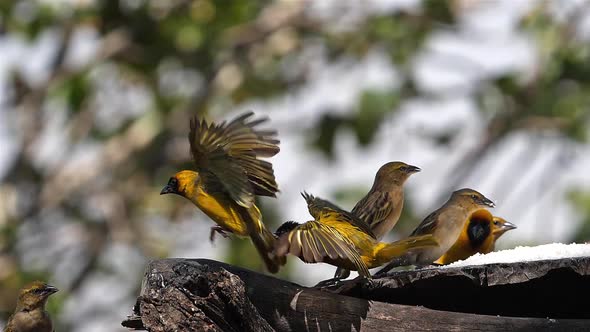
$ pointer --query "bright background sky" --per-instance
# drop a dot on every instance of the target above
(487, 40)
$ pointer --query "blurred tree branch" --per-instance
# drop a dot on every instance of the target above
(235, 52)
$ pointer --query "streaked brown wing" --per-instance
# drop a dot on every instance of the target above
(374, 208)
(230, 151)
(427, 225)
(321, 208)
(314, 242)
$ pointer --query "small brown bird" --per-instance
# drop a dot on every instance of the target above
(30, 314)
(383, 204)
(445, 224)
(228, 176)
(478, 236)
(339, 238)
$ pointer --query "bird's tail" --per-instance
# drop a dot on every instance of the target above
(263, 240)
(385, 252)
(264, 243)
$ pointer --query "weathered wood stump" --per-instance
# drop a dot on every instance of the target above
(205, 295)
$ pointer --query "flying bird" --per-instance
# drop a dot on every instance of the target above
(228, 175)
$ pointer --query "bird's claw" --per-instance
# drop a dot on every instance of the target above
(338, 286)
(217, 230)
(325, 284)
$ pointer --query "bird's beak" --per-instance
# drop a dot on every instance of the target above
(167, 190)
(170, 188)
(413, 169)
(507, 226)
(50, 290)
(487, 202)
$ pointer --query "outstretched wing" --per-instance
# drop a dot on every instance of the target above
(374, 208)
(314, 242)
(321, 209)
(230, 151)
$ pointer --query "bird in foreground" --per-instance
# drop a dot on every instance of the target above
(228, 175)
(478, 236)
(383, 204)
(339, 238)
(445, 224)
(30, 314)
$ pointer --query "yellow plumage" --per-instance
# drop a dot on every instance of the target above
(479, 235)
(229, 175)
(339, 238)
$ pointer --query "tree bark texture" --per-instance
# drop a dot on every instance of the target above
(205, 295)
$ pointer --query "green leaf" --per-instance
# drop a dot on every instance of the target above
(373, 107)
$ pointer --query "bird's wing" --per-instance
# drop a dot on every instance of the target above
(230, 151)
(321, 209)
(315, 242)
(374, 208)
(427, 225)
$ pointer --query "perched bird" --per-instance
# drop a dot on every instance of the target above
(339, 238)
(228, 176)
(445, 224)
(479, 235)
(30, 314)
(383, 204)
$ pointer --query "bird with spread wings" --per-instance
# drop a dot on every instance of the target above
(339, 238)
(228, 175)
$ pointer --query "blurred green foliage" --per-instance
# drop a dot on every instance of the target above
(205, 56)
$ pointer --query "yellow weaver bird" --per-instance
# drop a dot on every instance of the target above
(30, 314)
(339, 238)
(383, 204)
(478, 236)
(445, 225)
(227, 177)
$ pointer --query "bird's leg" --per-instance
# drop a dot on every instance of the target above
(341, 273)
(385, 269)
(339, 286)
(328, 283)
(220, 230)
(396, 262)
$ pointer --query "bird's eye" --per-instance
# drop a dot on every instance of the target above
(38, 290)
(474, 197)
(403, 168)
(496, 222)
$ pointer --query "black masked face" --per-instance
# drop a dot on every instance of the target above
(286, 228)
(477, 231)
(171, 187)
